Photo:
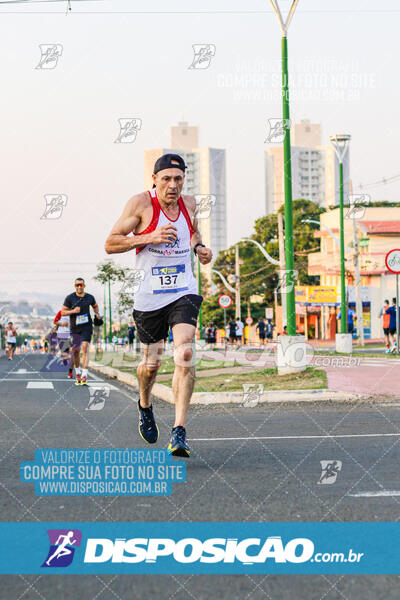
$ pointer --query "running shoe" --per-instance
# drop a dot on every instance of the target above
(70, 375)
(147, 426)
(84, 380)
(78, 380)
(177, 444)
(387, 351)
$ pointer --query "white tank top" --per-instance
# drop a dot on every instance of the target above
(11, 339)
(63, 331)
(164, 271)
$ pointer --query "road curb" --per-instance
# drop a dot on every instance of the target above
(163, 392)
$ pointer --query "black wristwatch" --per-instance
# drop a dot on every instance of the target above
(196, 246)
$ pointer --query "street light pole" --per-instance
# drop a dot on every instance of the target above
(109, 310)
(105, 316)
(237, 283)
(289, 256)
(283, 266)
(340, 142)
(199, 292)
(224, 281)
(357, 276)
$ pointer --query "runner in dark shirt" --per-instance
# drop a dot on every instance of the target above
(77, 307)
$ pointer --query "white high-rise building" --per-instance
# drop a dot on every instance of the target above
(315, 170)
(205, 176)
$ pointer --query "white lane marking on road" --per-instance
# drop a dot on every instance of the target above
(90, 383)
(39, 385)
(95, 377)
(297, 437)
(22, 372)
(29, 379)
(382, 493)
(102, 384)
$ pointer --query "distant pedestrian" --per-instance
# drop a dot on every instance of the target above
(260, 328)
(391, 310)
(239, 330)
(269, 330)
(350, 319)
(131, 336)
(211, 334)
(232, 331)
(385, 324)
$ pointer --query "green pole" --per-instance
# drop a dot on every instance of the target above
(199, 292)
(289, 258)
(109, 310)
(105, 314)
(343, 309)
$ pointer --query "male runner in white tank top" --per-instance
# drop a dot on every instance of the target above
(164, 230)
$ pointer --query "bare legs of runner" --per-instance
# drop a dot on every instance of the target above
(183, 378)
(85, 355)
(147, 370)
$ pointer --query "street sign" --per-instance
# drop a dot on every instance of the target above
(392, 261)
(269, 313)
(224, 301)
(249, 320)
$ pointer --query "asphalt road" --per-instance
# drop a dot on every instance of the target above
(247, 464)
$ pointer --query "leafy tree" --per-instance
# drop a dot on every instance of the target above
(257, 276)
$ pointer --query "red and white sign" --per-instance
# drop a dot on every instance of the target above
(224, 301)
(392, 261)
(249, 320)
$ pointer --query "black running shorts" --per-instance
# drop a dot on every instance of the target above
(152, 326)
(82, 335)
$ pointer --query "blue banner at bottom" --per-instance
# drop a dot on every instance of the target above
(200, 548)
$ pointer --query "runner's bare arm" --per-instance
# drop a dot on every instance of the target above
(95, 307)
(204, 254)
(120, 239)
(65, 311)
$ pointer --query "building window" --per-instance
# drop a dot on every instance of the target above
(184, 131)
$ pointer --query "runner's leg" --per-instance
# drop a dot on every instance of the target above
(183, 378)
(85, 355)
(147, 370)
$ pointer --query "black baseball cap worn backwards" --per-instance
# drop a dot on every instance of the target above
(169, 161)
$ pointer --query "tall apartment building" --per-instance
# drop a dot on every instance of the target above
(315, 169)
(205, 175)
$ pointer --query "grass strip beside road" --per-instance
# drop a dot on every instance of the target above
(128, 362)
(310, 379)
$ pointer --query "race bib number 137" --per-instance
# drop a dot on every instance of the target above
(170, 279)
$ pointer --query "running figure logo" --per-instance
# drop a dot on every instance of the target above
(203, 54)
(277, 130)
(287, 280)
(133, 281)
(358, 205)
(330, 470)
(128, 129)
(204, 204)
(252, 394)
(97, 399)
(55, 203)
(62, 547)
(174, 244)
(50, 53)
